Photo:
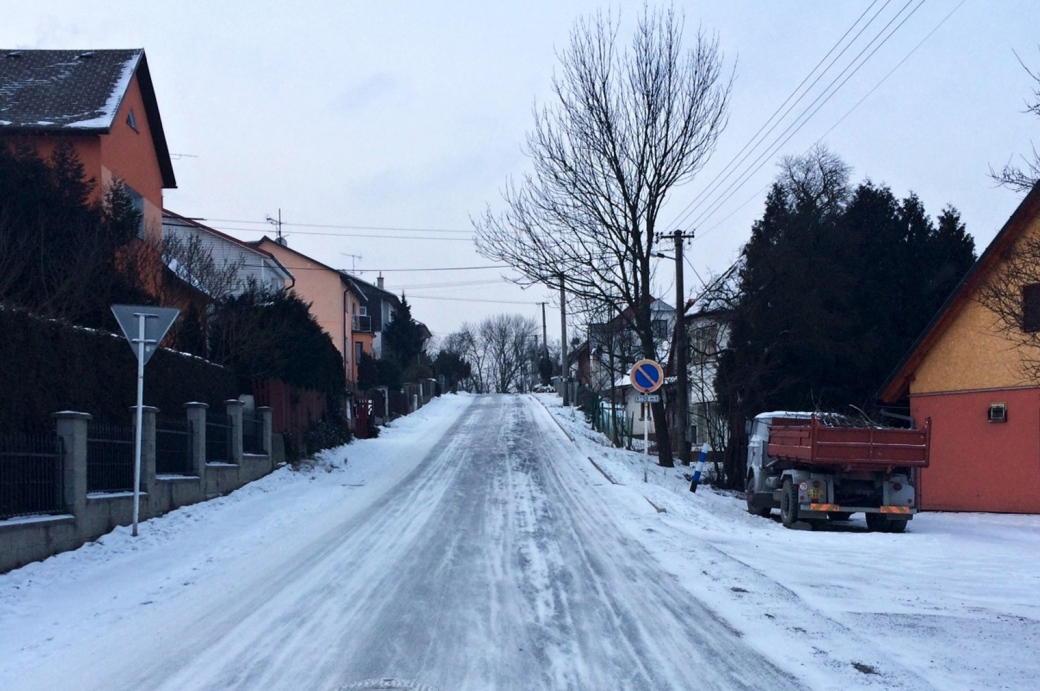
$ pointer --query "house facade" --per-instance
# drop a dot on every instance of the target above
(333, 298)
(251, 265)
(103, 104)
(970, 377)
(613, 346)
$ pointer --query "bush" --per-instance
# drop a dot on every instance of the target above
(327, 434)
(47, 366)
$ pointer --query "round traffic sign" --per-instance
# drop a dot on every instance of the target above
(646, 376)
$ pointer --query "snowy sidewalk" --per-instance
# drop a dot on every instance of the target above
(954, 603)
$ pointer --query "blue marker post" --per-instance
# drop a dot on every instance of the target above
(700, 467)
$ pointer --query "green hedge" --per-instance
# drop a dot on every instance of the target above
(46, 366)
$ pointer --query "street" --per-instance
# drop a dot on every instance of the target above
(474, 546)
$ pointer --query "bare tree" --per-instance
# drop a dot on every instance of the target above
(1023, 178)
(1012, 294)
(188, 257)
(507, 342)
(625, 127)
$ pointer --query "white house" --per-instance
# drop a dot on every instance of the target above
(251, 265)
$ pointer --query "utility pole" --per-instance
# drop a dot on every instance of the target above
(563, 345)
(681, 372)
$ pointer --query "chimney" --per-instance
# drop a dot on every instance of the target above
(379, 282)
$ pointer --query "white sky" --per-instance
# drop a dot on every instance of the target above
(412, 115)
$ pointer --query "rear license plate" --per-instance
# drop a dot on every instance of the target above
(816, 496)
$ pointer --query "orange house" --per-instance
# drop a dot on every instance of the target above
(968, 376)
(334, 299)
(103, 103)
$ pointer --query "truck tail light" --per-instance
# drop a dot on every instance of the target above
(897, 486)
(816, 483)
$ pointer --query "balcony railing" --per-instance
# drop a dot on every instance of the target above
(363, 324)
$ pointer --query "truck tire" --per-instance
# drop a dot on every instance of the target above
(896, 525)
(789, 503)
(753, 507)
(879, 522)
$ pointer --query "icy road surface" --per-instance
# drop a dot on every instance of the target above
(495, 542)
(486, 565)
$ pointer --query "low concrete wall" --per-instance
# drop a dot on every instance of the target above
(33, 538)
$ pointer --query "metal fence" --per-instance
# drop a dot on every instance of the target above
(32, 477)
(252, 433)
(218, 437)
(110, 457)
(173, 446)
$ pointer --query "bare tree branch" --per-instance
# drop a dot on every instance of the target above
(623, 129)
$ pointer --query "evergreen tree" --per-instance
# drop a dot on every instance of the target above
(403, 341)
(835, 286)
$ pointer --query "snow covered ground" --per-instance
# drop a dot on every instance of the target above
(954, 603)
(474, 545)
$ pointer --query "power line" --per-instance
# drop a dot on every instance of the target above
(734, 163)
(804, 118)
(441, 268)
(344, 227)
(495, 302)
(344, 235)
(843, 117)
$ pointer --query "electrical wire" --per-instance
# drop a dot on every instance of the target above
(802, 120)
(341, 227)
(730, 168)
(757, 194)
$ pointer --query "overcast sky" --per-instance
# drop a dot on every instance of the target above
(368, 116)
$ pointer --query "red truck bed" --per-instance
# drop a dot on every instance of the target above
(848, 448)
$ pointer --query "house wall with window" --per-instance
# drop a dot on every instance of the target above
(960, 368)
(333, 301)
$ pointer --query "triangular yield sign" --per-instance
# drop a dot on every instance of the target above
(158, 321)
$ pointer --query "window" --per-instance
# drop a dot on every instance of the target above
(1031, 308)
(131, 120)
(358, 349)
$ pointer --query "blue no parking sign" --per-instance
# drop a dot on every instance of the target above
(646, 376)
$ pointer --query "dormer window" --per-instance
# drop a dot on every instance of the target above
(131, 120)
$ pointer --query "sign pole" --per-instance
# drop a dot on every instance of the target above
(141, 317)
(144, 345)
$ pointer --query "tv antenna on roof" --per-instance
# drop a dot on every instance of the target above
(354, 259)
(278, 226)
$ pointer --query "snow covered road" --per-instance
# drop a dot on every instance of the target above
(475, 546)
(480, 561)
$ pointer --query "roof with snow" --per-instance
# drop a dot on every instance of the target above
(76, 92)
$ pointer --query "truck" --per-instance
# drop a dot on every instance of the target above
(821, 467)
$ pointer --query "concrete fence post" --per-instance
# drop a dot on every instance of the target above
(234, 411)
(196, 413)
(72, 428)
(147, 443)
(266, 416)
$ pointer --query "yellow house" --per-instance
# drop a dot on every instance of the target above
(969, 374)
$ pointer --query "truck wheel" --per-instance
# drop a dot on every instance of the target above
(839, 515)
(896, 525)
(789, 503)
(881, 523)
(877, 522)
(749, 494)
